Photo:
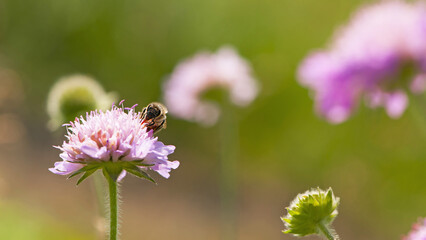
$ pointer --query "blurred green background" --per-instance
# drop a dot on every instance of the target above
(374, 164)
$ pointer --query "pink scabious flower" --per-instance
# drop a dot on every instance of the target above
(418, 231)
(115, 137)
(192, 77)
(377, 56)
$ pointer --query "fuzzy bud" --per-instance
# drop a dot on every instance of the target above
(312, 213)
(73, 96)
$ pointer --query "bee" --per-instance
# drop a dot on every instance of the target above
(154, 116)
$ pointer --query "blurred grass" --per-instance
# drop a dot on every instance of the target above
(374, 164)
(17, 221)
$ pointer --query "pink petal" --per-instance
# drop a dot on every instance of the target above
(64, 168)
(90, 151)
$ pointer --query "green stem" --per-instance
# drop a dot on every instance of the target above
(228, 170)
(113, 209)
(328, 233)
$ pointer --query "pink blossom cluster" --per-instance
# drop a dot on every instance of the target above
(378, 56)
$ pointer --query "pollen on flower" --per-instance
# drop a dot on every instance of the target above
(116, 136)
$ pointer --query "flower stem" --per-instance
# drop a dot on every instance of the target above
(113, 209)
(328, 233)
(228, 170)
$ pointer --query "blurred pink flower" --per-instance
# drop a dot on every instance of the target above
(418, 85)
(418, 231)
(192, 77)
(370, 57)
(115, 135)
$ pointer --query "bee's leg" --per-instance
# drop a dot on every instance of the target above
(159, 127)
(162, 124)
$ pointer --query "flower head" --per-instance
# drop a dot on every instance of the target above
(115, 141)
(376, 56)
(73, 96)
(194, 76)
(309, 211)
(418, 231)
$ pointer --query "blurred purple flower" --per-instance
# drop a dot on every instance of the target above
(113, 136)
(379, 54)
(418, 231)
(206, 70)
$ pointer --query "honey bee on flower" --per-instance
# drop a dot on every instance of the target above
(154, 116)
(116, 136)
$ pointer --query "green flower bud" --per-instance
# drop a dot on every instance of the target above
(312, 213)
(73, 96)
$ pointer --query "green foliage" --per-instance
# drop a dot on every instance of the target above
(112, 170)
(309, 211)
